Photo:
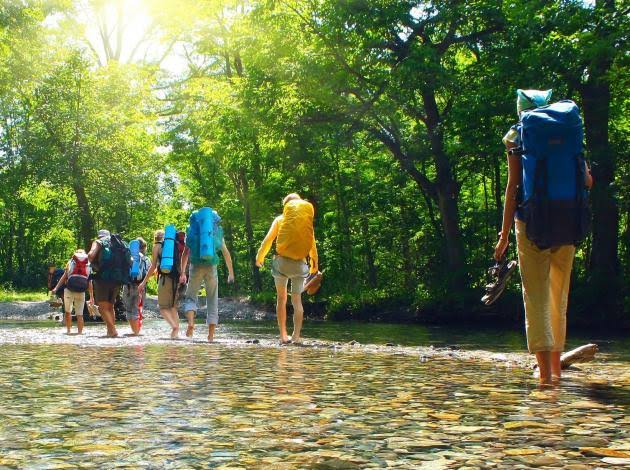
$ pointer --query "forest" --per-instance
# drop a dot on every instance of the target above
(386, 114)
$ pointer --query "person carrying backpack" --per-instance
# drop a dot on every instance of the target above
(546, 191)
(131, 296)
(204, 240)
(111, 260)
(168, 251)
(74, 282)
(295, 241)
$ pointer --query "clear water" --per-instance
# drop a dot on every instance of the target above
(149, 402)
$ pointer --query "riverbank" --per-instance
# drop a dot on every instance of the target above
(229, 309)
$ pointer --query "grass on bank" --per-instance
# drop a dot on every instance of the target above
(23, 295)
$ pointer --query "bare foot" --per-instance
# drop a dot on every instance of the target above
(296, 340)
(175, 332)
(190, 330)
(114, 334)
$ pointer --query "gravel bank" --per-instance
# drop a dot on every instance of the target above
(229, 309)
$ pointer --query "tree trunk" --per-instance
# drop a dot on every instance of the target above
(9, 260)
(88, 231)
(343, 220)
(498, 196)
(249, 232)
(369, 253)
(604, 254)
(447, 192)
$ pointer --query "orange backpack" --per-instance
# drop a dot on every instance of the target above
(296, 234)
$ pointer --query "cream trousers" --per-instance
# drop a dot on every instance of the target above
(545, 277)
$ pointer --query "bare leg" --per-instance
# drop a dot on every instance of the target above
(135, 326)
(175, 322)
(281, 312)
(107, 312)
(211, 329)
(556, 367)
(80, 323)
(544, 366)
(190, 316)
(298, 316)
(68, 317)
(166, 314)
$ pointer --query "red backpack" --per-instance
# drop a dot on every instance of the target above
(78, 278)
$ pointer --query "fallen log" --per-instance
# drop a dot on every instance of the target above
(584, 353)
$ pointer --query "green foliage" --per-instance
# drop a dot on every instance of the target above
(387, 115)
(9, 294)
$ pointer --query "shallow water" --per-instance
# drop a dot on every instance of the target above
(150, 402)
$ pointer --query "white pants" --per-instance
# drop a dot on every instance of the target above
(73, 298)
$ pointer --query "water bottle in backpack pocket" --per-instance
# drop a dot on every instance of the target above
(554, 198)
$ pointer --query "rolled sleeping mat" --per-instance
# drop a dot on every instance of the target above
(134, 247)
(205, 218)
(168, 249)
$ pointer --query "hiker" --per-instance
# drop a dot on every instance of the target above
(169, 249)
(295, 240)
(132, 299)
(76, 279)
(547, 180)
(111, 260)
(56, 294)
(204, 239)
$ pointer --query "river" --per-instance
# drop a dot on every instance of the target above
(246, 402)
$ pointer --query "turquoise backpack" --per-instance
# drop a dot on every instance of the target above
(204, 236)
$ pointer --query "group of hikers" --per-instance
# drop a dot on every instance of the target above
(546, 196)
(183, 261)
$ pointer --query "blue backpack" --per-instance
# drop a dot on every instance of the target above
(554, 202)
(204, 236)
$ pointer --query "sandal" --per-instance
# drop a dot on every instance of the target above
(501, 272)
(313, 282)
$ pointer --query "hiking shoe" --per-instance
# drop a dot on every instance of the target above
(313, 282)
(500, 272)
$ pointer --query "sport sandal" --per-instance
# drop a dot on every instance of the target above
(500, 272)
(313, 282)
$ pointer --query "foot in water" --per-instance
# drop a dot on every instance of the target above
(190, 330)
(175, 332)
(211, 329)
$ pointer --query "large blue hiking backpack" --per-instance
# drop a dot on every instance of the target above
(204, 236)
(554, 198)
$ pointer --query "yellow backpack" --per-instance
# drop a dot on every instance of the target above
(295, 234)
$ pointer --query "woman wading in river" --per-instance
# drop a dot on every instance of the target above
(547, 181)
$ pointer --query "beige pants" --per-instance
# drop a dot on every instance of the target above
(545, 276)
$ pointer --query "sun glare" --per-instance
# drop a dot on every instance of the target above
(127, 26)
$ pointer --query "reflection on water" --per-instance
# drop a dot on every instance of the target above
(177, 405)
